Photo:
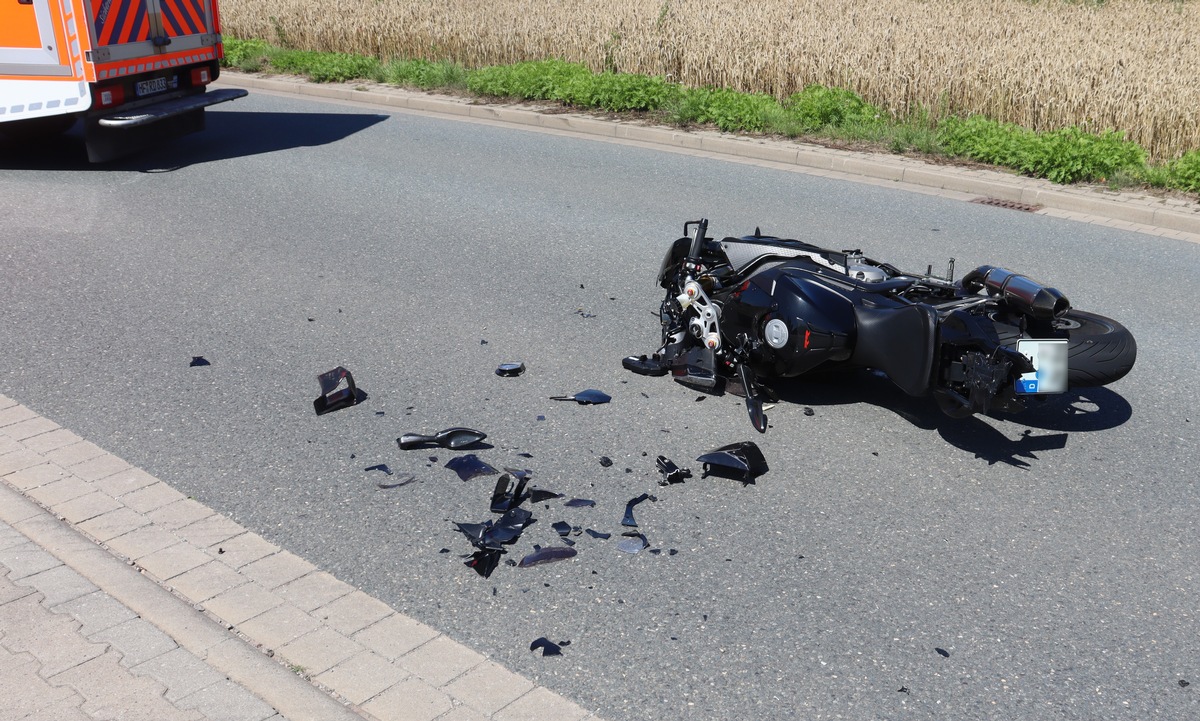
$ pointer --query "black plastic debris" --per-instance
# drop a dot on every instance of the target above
(510, 370)
(1183, 684)
(903, 689)
(541, 418)
(388, 486)
(538, 495)
(598, 534)
(452, 438)
(633, 543)
(580, 503)
(580, 312)
(562, 528)
(628, 519)
(740, 461)
(942, 652)
(337, 391)
(197, 361)
(605, 461)
(484, 561)
(379, 467)
(547, 555)
(525, 455)
(549, 648)
(521, 474)
(671, 473)
(809, 412)
(508, 493)
(495, 535)
(586, 398)
(469, 466)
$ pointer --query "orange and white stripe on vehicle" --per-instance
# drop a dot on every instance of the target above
(108, 71)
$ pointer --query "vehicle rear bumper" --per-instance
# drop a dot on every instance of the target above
(171, 108)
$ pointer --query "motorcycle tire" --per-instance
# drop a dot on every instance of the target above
(1099, 351)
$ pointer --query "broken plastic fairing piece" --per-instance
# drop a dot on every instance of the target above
(503, 531)
(508, 494)
(407, 480)
(547, 555)
(484, 561)
(585, 398)
(199, 360)
(634, 542)
(469, 466)
(379, 467)
(510, 370)
(337, 391)
(562, 528)
(580, 503)
(452, 438)
(537, 495)
(740, 461)
(548, 647)
(628, 519)
(671, 473)
(598, 534)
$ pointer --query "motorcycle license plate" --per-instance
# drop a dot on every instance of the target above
(1049, 358)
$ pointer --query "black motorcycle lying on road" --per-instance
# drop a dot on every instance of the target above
(742, 312)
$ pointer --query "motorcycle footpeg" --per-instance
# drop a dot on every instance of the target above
(646, 365)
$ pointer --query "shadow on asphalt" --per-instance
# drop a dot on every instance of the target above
(229, 134)
(1080, 410)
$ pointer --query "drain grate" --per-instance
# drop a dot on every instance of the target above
(1011, 204)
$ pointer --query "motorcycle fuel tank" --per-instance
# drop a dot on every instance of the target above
(799, 322)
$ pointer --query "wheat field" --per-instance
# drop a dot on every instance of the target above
(1132, 65)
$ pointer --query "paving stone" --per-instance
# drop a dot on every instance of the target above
(440, 661)
(318, 651)
(395, 636)
(51, 441)
(205, 581)
(362, 677)
(313, 590)
(19, 459)
(10, 536)
(99, 467)
(15, 414)
(26, 695)
(152, 496)
(278, 626)
(52, 638)
(10, 591)
(26, 559)
(60, 491)
(126, 481)
(59, 585)
(96, 612)
(488, 687)
(171, 561)
(8, 445)
(209, 531)
(464, 713)
(137, 640)
(174, 516)
(541, 704)
(30, 428)
(112, 692)
(226, 701)
(112, 524)
(409, 700)
(242, 603)
(280, 568)
(142, 541)
(34, 476)
(238, 551)
(68, 456)
(180, 672)
(78, 510)
(353, 612)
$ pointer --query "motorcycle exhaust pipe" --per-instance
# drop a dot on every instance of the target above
(1022, 293)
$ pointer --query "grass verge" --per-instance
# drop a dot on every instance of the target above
(1066, 155)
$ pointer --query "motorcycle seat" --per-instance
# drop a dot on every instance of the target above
(898, 341)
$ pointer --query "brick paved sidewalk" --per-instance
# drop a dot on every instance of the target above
(110, 577)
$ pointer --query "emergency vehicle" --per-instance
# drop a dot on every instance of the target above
(134, 71)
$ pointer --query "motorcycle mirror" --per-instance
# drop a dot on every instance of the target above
(585, 398)
(740, 461)
(452, 438)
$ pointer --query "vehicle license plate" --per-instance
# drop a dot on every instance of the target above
(1049, 358)
(152, 86)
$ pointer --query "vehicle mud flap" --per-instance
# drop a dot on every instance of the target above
(105, 144)
(899, 342)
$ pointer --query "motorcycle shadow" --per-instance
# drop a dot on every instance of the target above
(1077, 411)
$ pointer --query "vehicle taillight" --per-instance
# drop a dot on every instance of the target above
(110, 95)
(201, 76)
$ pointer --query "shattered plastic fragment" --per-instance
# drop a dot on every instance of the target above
(538, 495)
(337, 391)
(942, 652)
(549, 648)
(605, 461)
(628, 519)
(580, 503)
(562, 527)
(740, 461)
(452, 438)
(510, 370)
(525, 455)
(585, 398)
(484, 561)
(197, 361)
(379, 467)
(809, 412)
(507, 493)
(598, 534)
(505, 530)
(469, 466)
(671, 473)
(547, 555)
(633, 544)
(519, 473)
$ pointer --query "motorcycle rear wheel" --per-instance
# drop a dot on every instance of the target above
(1099, 351)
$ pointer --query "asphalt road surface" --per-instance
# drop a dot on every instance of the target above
(893, 564)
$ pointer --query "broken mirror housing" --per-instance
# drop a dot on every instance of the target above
(337, 391)
(740, 461)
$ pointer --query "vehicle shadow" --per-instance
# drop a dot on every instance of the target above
(1077, 411)
(229, 134)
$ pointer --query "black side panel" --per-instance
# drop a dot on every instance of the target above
(899, 342)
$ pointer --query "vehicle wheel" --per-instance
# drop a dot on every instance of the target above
(1099, 351)
(38, 128)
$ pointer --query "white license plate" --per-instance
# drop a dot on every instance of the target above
(150, 87)
(1049, 363)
